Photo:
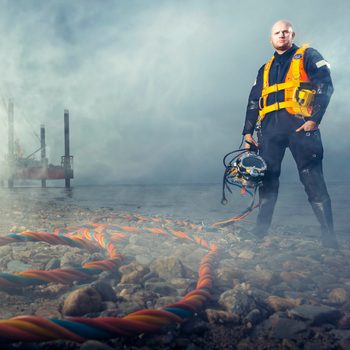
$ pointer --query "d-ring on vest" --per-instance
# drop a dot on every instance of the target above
(297, 100)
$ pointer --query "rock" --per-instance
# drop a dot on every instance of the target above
(52, 290)
(168, 267)
(194, 326)
(281, 304)
(315, 315)
(105, 290)
(144, 297)
(253, 317)
(126, 289)
(341, 333)
(127, 307)
(110, 313)
(161, 288)
(94, 345)
(293, 265)
(219, 316)
(191, 257)
(148, 276)
(72, 258)
(143, 259)
(96, 256)
(132, 267)
(159, 341)
(17, 266)
(296, 280)
(48, 309)
(134, 250)
(40, 256)
(5, 250)
(344, 322)
(280, 327)
(17, 229)
(280, 288)
(246, 254)
(82, 301)
(237, 301)
(225, 275)
(165, 301)
(324, 280)
(262, 278)
(108, 305)
(132, 277)
(241, 301)
(183, 283)
(338, 296)
(53, 263)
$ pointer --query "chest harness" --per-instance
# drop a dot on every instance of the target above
(298, 94)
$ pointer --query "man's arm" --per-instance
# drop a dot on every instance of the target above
(318, 71)
(252, 112)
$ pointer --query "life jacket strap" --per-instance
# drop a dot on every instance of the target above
(279, 87)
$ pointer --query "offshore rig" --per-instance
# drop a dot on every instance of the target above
(20, 167)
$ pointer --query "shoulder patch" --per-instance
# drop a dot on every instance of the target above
(322, 63)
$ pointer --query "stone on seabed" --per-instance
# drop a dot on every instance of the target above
(82, 301)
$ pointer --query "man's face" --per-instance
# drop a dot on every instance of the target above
(282, 36)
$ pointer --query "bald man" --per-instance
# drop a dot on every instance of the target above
(285, 107)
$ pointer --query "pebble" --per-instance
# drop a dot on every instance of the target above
(82, 301)
(220, 316)
(338, 296)
(281, 304)
(246, 254)
(315, 315)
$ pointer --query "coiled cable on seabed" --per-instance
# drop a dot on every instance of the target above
(80, 329)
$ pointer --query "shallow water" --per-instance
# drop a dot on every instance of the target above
(200, 203)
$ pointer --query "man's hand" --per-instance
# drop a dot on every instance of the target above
(249, 138)
(310, 125)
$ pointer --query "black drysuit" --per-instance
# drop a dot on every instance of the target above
(278, 131)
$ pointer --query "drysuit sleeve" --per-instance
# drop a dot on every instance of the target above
(318, 71)
(252, 112)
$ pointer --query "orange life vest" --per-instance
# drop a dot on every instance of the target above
(297, 100)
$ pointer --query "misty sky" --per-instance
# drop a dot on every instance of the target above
(157, 90)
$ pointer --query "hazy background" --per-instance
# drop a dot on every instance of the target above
(157, 90)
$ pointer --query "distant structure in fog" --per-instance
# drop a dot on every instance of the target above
(19, 167)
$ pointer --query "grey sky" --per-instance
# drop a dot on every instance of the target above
(156, 90)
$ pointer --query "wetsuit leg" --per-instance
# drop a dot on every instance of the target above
(272, 149)
(307, 150)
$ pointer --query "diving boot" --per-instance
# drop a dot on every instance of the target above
(323, 212)
(260, 232)
(266, 208)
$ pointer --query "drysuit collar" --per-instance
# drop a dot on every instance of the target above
(285, 55)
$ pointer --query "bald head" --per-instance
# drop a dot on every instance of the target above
(282, 36)
(282, 22)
